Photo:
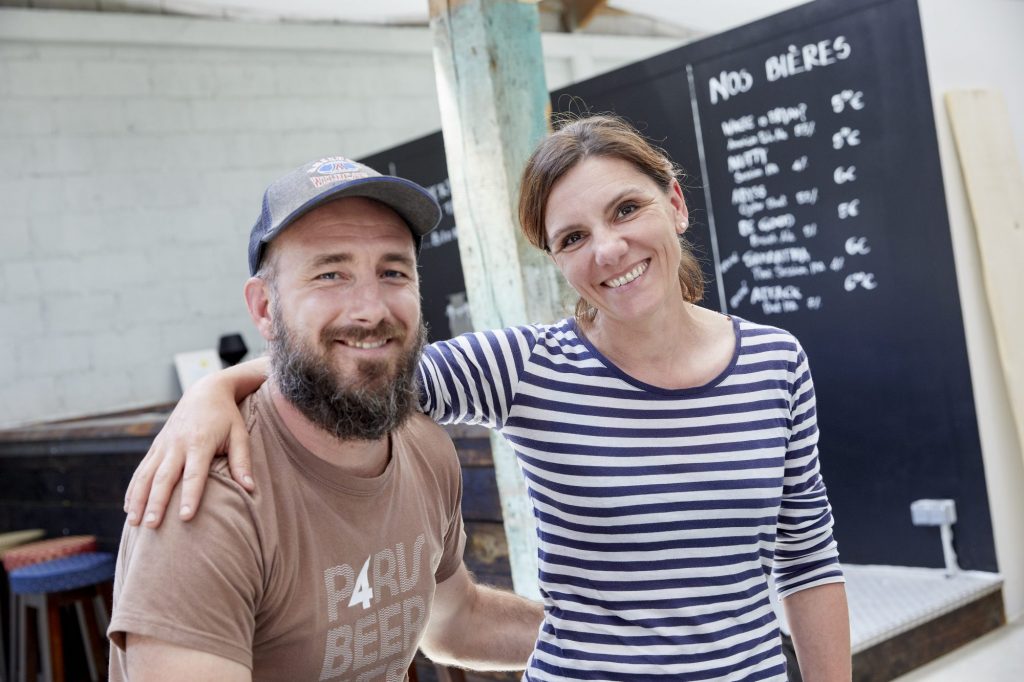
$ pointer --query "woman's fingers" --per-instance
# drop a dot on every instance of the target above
(165, 478)
(193, 481)
(138, 488)
(239, 459)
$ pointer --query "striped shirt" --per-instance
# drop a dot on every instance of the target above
(660, 513)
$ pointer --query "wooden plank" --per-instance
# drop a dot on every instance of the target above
(486, 547)
(995, 190)
(576, 14)
(899, 655)
(494, 108)
(480, 501)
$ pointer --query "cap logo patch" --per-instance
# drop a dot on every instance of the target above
(335, 169)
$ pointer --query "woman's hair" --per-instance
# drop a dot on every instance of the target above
(597, 136)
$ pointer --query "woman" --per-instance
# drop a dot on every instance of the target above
(670, 452)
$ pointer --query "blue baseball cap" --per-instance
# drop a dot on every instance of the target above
(313, 184)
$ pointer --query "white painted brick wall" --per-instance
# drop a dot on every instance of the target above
(133, 154)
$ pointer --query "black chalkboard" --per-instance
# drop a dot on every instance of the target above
(817, 205)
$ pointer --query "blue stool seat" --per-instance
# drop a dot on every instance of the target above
(39, 591)
(64, 574)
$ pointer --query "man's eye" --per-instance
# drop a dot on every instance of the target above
(395, 274)
(328, 275)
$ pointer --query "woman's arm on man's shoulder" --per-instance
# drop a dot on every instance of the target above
(205, 422)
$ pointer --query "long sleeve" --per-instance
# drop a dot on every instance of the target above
(472, 379)
(806, 553)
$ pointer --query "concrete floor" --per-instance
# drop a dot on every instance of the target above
(996, 657)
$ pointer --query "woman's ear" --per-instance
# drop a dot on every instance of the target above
(682, 214)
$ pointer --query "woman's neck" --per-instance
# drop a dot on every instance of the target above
(684, 347)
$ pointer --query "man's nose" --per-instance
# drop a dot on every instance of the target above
(609, 246)
(367, 304)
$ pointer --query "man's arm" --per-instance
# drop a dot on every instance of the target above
(153, 660)
(480, 627)
(819, 622)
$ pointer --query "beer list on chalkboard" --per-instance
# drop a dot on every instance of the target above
(787, 221)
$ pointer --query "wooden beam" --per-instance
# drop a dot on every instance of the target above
(995, 190)
(576, 14)
(494, 110)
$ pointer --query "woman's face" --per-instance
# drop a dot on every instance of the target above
(614, 235)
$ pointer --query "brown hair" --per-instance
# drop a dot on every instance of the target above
(581, 138)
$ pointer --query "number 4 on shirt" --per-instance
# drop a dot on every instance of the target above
(362, 593)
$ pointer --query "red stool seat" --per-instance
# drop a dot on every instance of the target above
(48, 550)
(9, 541)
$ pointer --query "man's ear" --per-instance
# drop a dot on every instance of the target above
(257, 299)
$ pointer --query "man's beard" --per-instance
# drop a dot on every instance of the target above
(366, 406)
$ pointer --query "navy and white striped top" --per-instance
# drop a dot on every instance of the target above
(660, 513)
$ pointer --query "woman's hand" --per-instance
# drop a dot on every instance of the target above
(205, 422)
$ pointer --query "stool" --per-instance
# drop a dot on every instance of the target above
(47, 586)
(45, 550)
(10, 541)
(34, 553)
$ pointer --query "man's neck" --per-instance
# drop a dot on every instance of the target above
(363, 458)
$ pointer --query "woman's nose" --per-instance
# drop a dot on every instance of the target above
(609, 246)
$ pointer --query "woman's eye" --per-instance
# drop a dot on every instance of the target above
(625, 209)
(571, 239)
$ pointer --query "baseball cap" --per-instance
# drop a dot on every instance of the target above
(315, 183)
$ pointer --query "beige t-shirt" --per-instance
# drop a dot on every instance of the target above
(317, 575)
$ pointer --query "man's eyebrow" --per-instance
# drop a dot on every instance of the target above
(336, 258)
(400, 258)
(330, 259)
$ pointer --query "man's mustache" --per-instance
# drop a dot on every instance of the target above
(359, 334)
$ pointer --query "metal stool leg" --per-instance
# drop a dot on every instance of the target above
(3, 653)
(15, 630)
(90, 636)
(27, 659)
(52, 652)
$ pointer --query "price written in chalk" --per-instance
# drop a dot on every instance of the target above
(845, 137)
(849, 209)
(847, 98)
(845, 174)
(862, 280)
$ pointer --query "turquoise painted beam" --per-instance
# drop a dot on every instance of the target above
(494, 110)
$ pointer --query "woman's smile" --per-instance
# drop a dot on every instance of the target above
(632, 275)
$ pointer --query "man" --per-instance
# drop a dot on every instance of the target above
(349, 554)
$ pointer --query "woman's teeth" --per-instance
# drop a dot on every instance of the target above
(629, 276)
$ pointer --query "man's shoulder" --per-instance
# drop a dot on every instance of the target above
(430, 443)
(422, 432)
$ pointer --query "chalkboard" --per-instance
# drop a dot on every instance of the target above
(817, 205)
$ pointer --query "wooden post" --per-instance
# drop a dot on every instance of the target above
(995, 189)
(494, 110)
